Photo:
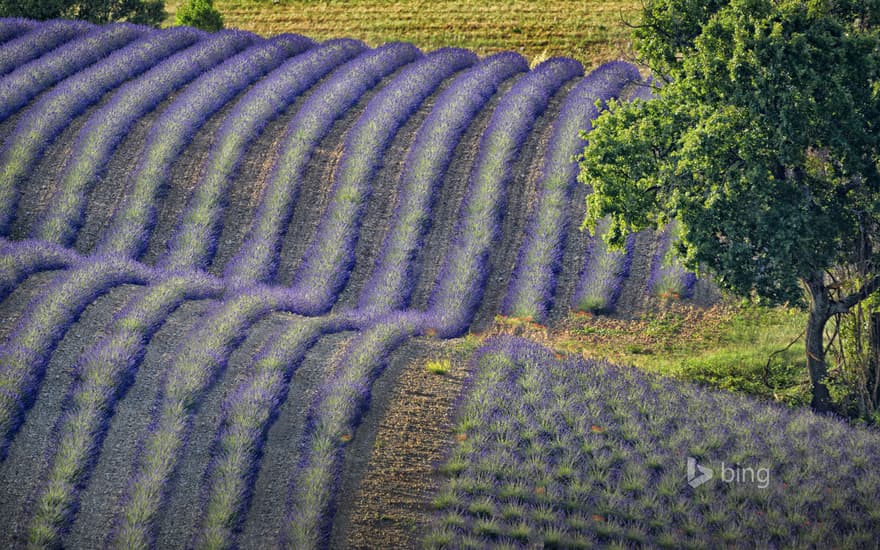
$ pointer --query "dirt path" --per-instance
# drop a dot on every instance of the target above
(519, 199)
(411, 427)
(25, 468)
(446, 207)
(15, 304)
(100, 498)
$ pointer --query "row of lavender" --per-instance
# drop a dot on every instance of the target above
(569, 453)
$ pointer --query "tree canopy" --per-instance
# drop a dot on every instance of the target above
(762, 142)
(145, 12)
(200, 14)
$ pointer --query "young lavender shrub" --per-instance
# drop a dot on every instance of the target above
(26, 81)
(603, 274)
(533, 282)
(13, 27)
(26, 351)
(134, 218)
(194, 239)
(459, 288)
(52, 112)
(326, 267)
(257, 258)
(103, 373)
(331, 423)
(668, 278)
(107, 127)
(20, 259)
(602, 461)
(43, 38)
(392, 282)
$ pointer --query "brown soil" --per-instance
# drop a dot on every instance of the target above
(15, 304)
(519, 199)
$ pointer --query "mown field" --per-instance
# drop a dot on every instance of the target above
(590, 31)
(243, 281)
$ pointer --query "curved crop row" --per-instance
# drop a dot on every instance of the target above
(604, 271)
(20, 259)
(103, 373)
(668, 278)
(257, 257)
(25, 353)
(391, 283)
(108, 126)
(192, 243)
(330, 257)
(133, 219)
(26, 81)
(533, 282)
(460, 286)
(331, 424)
(13, 27)
(40, 40)
(49, 116)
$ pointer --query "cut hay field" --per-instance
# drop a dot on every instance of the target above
(226, 261)
(591, 31)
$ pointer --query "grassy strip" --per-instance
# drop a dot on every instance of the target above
(461, 283)
(534, 279)
(330, 257)
(257, 258)
(579, 454)
(26, 81)
(42, 39)
(106, 128)
(391, 284)
(194, 240)
(19, 259)
(133, 220)
(104, 372)
(592, 31)
(603, 273)
(54, 110)
(331, 424)
(25, 353)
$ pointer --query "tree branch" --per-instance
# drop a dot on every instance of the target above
(842, 306)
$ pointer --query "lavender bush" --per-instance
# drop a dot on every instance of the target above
(134, 218)
(194, 239)
(13, 27)
(42, 39)
(26, 81)
(460, 286)
(391, 283)
(54, 110)
(533, 283)
(579, 454)
(668, 278)
(330, 257)
(20, 259)
(257, 258)
(603, 273)
(96, 142)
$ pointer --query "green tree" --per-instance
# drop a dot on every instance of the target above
(145, 12)
(763, 142)
(200, 14)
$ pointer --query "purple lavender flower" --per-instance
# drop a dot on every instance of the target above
(41, 39)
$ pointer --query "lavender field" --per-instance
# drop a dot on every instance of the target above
(218, 251)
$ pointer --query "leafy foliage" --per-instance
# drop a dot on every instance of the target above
(200, 14)
(145, 12)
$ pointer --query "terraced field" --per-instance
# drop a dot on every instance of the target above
(220, 253)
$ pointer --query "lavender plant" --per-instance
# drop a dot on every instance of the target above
(27, 80)
(134, 218)
(103, 373)
(194, 239)
(578, 454)
(325, 269)
(54, 110)
(42, 39)
(20, 259)
(391, 283)
(13, 27)
(460, 286)
(106, 128)
(668, 278)
(603, 273)
(25, 353)
(534, 279)
(332, 421)
(257, 258)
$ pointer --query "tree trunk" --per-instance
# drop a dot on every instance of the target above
(820, 303)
